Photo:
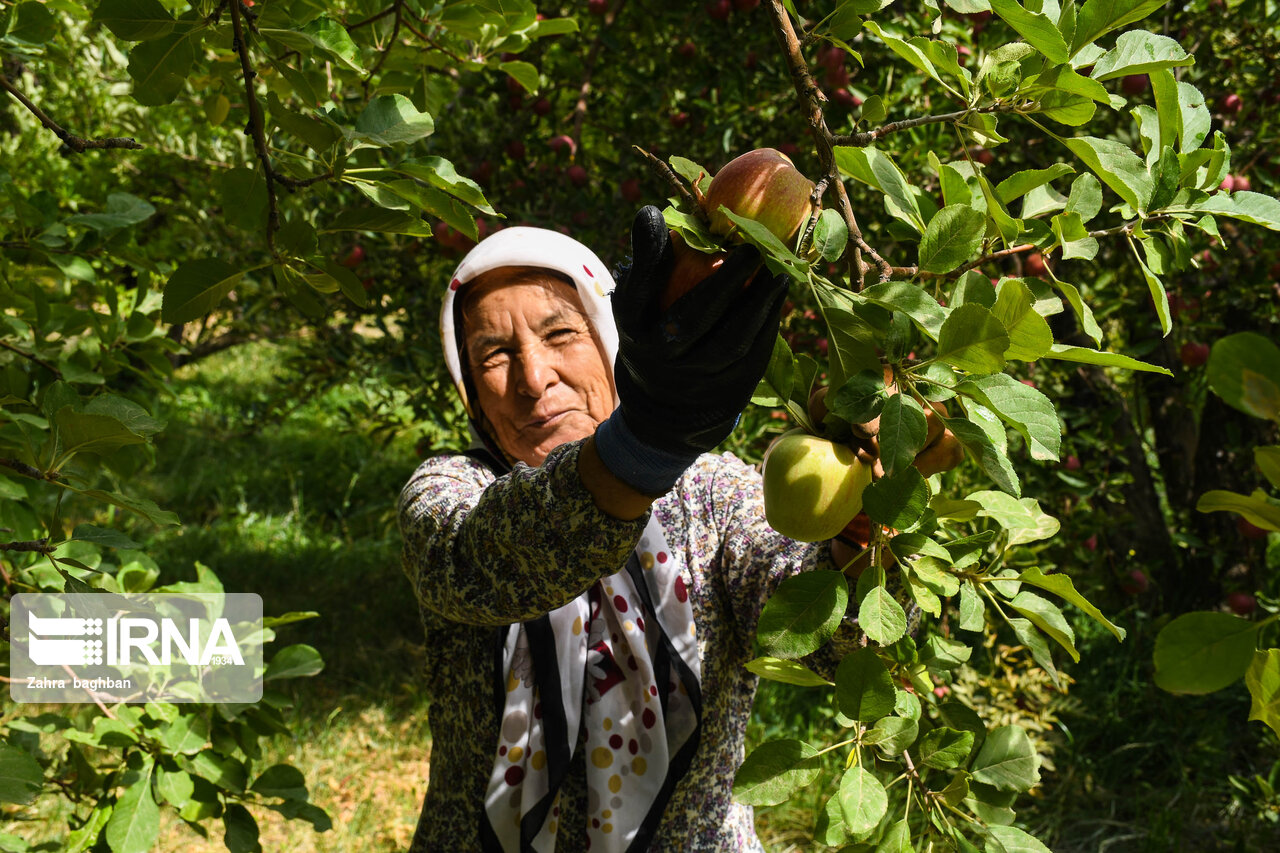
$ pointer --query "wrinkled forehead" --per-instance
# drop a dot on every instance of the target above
(519, 286)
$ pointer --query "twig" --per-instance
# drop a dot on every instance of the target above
(861, 140)
(432, 42)
(375, 17)
(28, 471)
(391, 42)
(93, 694)
(40, 546)
(255, 128)
(77, 144)
(31, 357)
(663, 171)
(811, 99)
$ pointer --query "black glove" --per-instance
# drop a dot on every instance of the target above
(684, 375)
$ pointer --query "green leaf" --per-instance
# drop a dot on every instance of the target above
(903, 430)
(1062, 352)
(1020, 183)
(892, 735)
(1022, 518)
(897, 839)
(1074, 238)
(135, 20)
(241, 834)
(864, 688)
(802, 614)
(1046, 616)
(105, 537)
(878, 170)
(785, 671)
(32, 23)
(174, 787)
(863, 800)
(243, 193)
(953, 236)
(525, 73)
(779, 258)
(122, 211)
(186, 735)
(1010, 839)
(860, 399)
(1035, 642)
(281, 780)
(1244, 370)
(440, 173)
(1099, 17)
(319, 135)
(79, 432)
(21, 776)
(135, 822)
(1255, 208)
(1117, 166)
(973, 339)
(1029, 333)
(973, 611)
(1024, 408)
(1085, 198)
(323, 34)
(1204, 652)
(881, 617)
(196, 288)
(1268, 461)
(910, 299)
(994, 462)
(141, 506)
(223, 772)
(391, 120)
(1007, 760)
(1062, 586)
(1139, 52)
(774, 770)
(897, 501)
(296, 661)
(160, 68)
(1256, 508)
(831, 235)
(378, 219)
(1263, 680)
(1040, 32)
(944, 748)
(775, 386)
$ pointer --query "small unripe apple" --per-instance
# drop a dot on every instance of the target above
(1135, 583)
(354, 257)
(1248, 529)
(719, 10)
(1135, 84)
(762, 185)
(1193, 353)
(1242, 603)
(1230, 104)
(812, 487)
(577, 175)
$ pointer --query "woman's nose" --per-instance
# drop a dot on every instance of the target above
(536, 372)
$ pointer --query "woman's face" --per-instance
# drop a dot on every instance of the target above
(535, 364)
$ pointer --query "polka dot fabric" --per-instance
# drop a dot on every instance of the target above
(482, 553)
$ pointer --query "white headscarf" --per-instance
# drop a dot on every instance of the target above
(617, 666)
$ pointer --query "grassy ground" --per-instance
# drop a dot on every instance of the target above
(301, 510)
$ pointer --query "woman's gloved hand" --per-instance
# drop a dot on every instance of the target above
(683, 375)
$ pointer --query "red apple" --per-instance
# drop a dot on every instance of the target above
(1033, 264)
(581, 218)
(542, 106)
(1242, 184)
(597, 7)
(688, 50)
(563, 144)
(845, 98)
(691, 267)
(367, 284)
(1242, 603)
(1248, 529)
(354, 257)
(1135, 583)
(838, 77)
(762, 185)
(719, 10)
(1193, 354)
(752, 60)
(1135, 84)
(576, 175)
(982, 155)
(1230, 104)
(679, 120)
(1071, 463)
(515, 149)
(1228, 184)
(483, 171)
(630, 190)
(514, 86)
(1092, 542)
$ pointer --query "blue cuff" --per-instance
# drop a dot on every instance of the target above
(643, 467)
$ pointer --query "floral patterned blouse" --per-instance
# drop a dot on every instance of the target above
(484, 552)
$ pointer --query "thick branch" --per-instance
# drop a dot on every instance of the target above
(77, 144)
(255, 128)
(40, 546)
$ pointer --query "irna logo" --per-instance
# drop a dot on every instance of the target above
(55, 641)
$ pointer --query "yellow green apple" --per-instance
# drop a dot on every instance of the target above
(812, 486)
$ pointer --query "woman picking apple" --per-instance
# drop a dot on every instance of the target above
(589, 576)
